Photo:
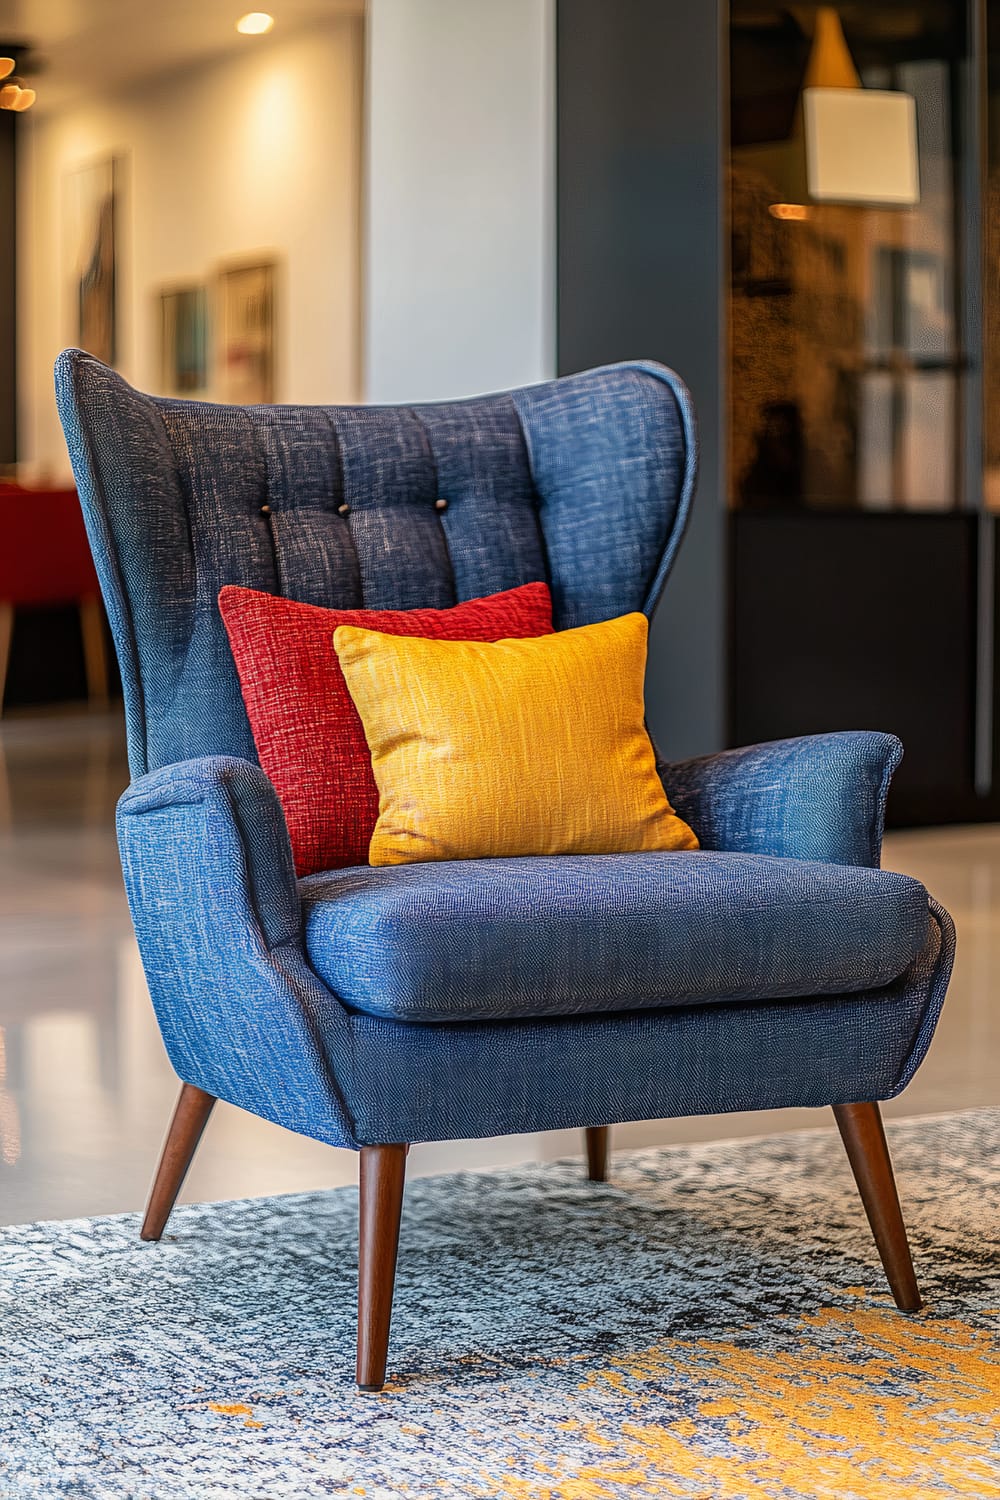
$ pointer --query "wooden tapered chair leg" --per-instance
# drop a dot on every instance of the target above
(598, 1139)
(868, 1154)
(383, 1169)
(190, 1118)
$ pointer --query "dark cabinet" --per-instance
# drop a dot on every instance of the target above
(872, 622)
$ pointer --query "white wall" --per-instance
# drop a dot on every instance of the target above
(257, 153)
(460, 197)
(458, 268)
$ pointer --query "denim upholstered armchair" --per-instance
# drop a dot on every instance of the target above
(777, 966)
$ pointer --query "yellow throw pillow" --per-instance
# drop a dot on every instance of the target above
(514, 747)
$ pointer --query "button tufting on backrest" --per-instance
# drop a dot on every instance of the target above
(583, 481)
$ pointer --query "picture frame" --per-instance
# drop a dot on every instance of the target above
(184, 339)
(93, 215)
(246, 331)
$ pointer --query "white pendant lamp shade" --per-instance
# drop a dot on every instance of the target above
(850, 145)
(861, 147)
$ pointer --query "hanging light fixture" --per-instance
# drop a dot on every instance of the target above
(830, 64)
(13, 94)
(850, 145)
(860, 144)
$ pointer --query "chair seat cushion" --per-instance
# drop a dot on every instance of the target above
(497, 939)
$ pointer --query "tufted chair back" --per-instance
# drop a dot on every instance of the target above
(584, 481)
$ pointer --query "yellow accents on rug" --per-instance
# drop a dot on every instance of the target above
(517, 747)
(235, 1409)
(904, 1409)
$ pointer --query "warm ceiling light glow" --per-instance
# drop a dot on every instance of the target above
(6, 66)
(830, 64)
(255, 23)
(788, 211)
(13, 96)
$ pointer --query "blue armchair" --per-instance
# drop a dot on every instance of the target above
(776, 966)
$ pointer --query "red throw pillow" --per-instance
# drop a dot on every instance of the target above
(307, 731)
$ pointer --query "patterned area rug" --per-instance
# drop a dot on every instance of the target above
(712, 1325)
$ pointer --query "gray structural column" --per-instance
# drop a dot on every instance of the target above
(640, 226)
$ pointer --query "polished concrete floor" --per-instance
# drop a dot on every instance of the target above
(85, 1087)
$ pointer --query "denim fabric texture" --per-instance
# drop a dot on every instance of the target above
(821, 797)
(433, 1082)
(490, 939)
(585, 482)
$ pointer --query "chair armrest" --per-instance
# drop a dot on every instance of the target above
(211, 887)
(821, 797)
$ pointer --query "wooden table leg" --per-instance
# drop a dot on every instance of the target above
(95, 651)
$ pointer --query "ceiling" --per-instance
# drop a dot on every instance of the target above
(81, 45)
(888, 19)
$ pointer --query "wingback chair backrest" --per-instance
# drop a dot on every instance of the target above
(584, 482)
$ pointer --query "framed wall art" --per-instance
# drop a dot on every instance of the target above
(93, 223)
(246, 332)
(183, 316)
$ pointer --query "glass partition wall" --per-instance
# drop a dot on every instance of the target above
(864, 390)
(853, 237)
(854, 580)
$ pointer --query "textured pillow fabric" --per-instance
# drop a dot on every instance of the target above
(308, 735)
(527, 747)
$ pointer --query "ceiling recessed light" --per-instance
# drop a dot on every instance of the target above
(255, 23)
